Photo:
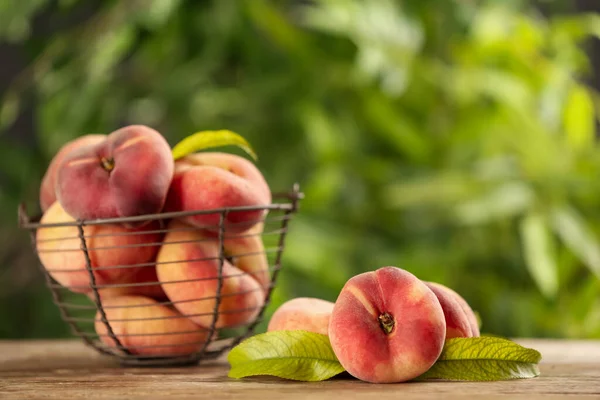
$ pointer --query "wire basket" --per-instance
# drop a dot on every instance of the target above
(203, 314)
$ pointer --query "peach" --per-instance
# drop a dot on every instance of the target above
(208, 180)
(247, 252)
(302, 313)
(128, 174)
(146, 327)
(460, 318)
(48, 185)
(387, 326)
(59, 250)
(187, 266)
(146, 281)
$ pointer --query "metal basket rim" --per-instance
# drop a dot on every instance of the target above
(28, 222)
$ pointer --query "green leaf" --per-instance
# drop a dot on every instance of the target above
(157, 12)
(579, 118)
(434, 190)
(539, 253)
(207, 139)
(108, 51)
(296, 355)
(573, 231)
(484, 359)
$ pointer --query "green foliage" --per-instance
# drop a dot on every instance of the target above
(453, 139)
(296, 355)
(539, 253)
(484, 359)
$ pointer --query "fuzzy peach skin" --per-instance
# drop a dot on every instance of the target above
(302, 313)
(387, 326)
(247, 252)
(59, 250)
(48, 185)
(209, 180)
(145, 327)
(128, 174)
(146, 284)
(460, 319)
(187, 267)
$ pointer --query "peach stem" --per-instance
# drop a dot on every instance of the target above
(386, 321)
(107, 163)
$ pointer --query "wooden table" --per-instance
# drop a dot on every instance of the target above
(69, 370)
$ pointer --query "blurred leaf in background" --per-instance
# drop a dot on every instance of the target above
(454, 139)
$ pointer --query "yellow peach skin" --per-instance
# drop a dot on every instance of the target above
(247, 252)
(145, 284)
(113, 250)
(187, 267)
(145, 327)
(302, 313)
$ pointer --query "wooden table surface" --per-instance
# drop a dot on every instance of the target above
(69, 370)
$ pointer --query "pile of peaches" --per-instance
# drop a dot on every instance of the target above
(386, 325)
(156, 278)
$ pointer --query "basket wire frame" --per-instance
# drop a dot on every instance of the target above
(212, 346)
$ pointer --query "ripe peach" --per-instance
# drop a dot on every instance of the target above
(187, 266)
(48, 185)
(460, 319)
(146, 327)
(387, 326)
(59, 249)
(127, 174)
(247, 252)
(208, 180)
(144, 275)
(302, 313)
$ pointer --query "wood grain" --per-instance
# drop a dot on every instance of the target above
(69, 370)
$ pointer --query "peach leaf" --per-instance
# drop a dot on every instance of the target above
(484, 358)
(295, 355)
(209, 139)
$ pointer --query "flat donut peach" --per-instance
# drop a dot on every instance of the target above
(187, 267)
(115, 251)
(146, 327)
(204, 181)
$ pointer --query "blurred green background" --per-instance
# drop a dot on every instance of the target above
(456, 139)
